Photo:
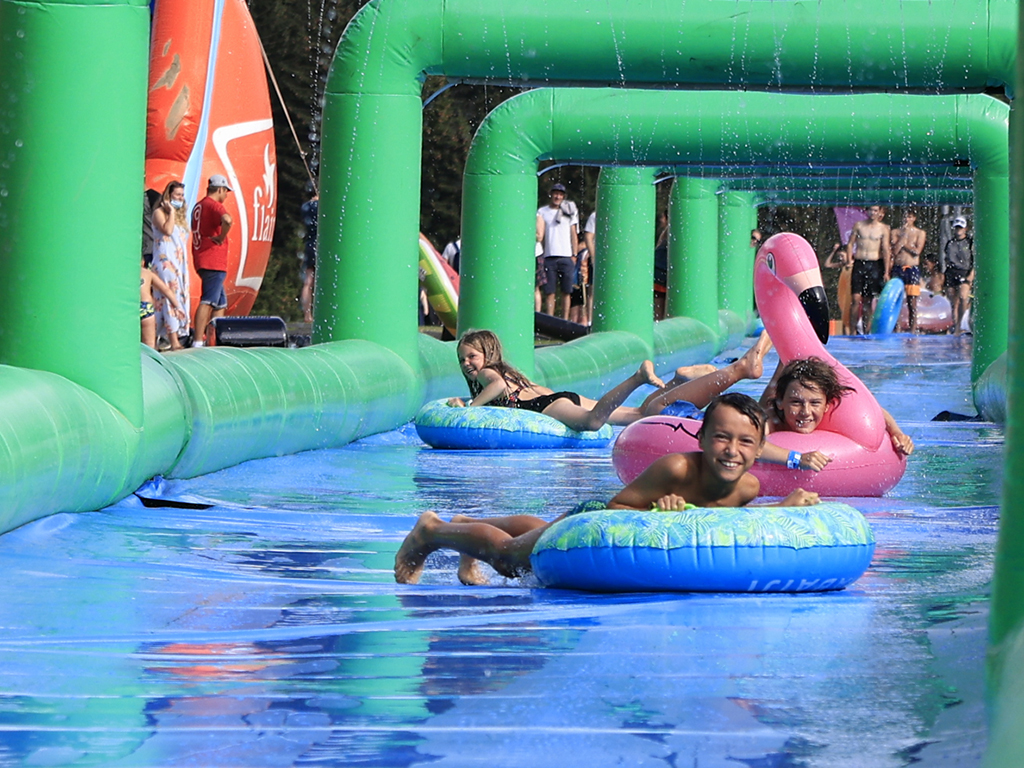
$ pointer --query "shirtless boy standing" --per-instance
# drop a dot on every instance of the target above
(868, 251)
(731, 438)
(907, 243)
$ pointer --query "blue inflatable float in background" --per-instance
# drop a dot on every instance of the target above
(887, 308)
(440, 425)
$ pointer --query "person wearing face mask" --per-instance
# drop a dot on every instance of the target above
(170, 236)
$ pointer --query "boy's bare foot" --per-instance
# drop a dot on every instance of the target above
(685, 373)
(470, 573)
(647, 374)
(414, 550)
(751, 365)
(469, 567)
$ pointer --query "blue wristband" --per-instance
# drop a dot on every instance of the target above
(793, 462)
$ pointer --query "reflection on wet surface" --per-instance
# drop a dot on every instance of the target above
(267, 629)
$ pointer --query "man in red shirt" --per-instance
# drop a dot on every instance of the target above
(210, 225)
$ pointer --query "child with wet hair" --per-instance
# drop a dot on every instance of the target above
(494, 382)
(804, 390)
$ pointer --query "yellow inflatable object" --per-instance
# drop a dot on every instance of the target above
(441, 283)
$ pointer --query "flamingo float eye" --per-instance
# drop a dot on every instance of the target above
(769, 260)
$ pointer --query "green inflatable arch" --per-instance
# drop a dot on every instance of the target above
(644, 127)
(372, 110)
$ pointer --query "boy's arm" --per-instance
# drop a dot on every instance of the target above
(225, 226)
(900, 440)
(896, 240)
(657, 484)
(850, 243)
(798, 498)
(830, 261)
(886, 256)
(775, 454)
(922, 237)
(768, 396)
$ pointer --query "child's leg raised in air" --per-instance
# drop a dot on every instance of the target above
(606, 410)
(508, 555)
(685, 373)
(703, 390)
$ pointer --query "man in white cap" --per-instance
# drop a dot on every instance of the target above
(210, 225)
(959, 271)
(561, 217)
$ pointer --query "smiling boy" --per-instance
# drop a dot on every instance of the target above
(804, 390)
(731, 438)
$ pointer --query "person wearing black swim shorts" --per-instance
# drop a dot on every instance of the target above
(959, 272)
(868, 250)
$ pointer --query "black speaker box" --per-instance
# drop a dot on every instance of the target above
(247, 332)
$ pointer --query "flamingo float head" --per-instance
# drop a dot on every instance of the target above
(791, 260)
(792, 304)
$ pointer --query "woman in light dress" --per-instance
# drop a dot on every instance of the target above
(170, 241)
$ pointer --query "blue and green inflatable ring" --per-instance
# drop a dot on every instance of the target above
(443, 426)
(729, 549)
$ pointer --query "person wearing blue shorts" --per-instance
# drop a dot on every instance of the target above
(210, 225)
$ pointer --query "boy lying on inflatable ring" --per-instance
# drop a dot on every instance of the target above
(731, 438)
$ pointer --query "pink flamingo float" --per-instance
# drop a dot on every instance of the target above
(792, 304)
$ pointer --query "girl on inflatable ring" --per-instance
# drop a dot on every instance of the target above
(494, 382)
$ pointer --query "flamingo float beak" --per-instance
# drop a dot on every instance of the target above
(815, 304)
(793, 262)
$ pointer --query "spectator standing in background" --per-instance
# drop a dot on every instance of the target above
(170, 237)
(590, 240)
(150, 198)
(959, 272)
(453, 253)
(661, 266)
(868, 251)
(310, 210)
(945, 234)
(906, 244)
(561, 218)
(211, 223)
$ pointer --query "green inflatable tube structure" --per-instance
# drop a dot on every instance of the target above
(919, 197)
(673, 128)
(1006, 620)
(373, 124)
(877, 183)
(623, 299)
(72, 134)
